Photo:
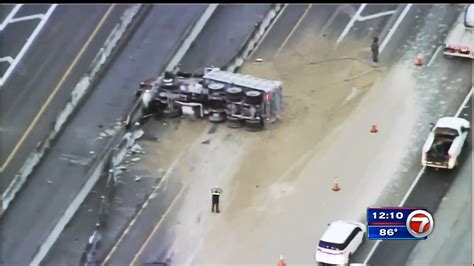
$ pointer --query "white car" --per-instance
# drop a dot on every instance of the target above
(340, 240)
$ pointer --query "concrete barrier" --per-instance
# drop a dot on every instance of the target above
(77, 95)
(114, 152)
(253, 40)
(105, 55)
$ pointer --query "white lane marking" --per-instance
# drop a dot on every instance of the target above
(394, 28)
(8, 59)
(381, 14)
(377, 243)
(28, 44)
(351, 23)
(150, 197)
(10, 16)
(294, 29)
(464, 103)
(434, 56)
(268, 30)
(37, 16)
(333, 16)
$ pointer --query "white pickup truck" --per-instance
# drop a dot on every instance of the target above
(445, 142)
(460, 40)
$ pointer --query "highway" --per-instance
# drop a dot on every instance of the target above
(428, 193)
(158, 246)
(213, 35)
(262, 207)
(56, 181)
(41, 83)
(217, 42)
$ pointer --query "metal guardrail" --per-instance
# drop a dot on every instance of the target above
(253, 39)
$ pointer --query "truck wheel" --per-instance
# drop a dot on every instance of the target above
(253, 97)
(171, 113)
(234, 122)
(234, 94)
(216, 117)
(215, 88)
(254, 125)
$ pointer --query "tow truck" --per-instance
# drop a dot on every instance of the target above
(218, 95)
(460, 40)
(445, 143)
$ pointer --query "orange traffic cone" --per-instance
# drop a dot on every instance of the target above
(374, 129)
(281, 262)
(336, 186)
(418, 60)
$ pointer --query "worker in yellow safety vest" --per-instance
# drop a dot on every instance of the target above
(216, 192)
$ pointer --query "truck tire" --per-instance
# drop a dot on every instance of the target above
(234, 94)
(216, 117)
(254, 125)
(172, 113)
(253, 97)
(216, 88)
(234, 122)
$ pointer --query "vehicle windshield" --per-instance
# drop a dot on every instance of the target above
(332, 246)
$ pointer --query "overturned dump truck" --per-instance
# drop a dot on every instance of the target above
(220, 96)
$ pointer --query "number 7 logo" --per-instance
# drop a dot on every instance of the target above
(420, 223)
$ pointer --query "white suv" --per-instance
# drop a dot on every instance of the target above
(340, 240)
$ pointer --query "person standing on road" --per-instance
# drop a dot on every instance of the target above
(216, 192)
(375, 50)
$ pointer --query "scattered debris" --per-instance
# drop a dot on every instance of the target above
(206, 141)
(110, 132)
(259, 60)
(102, 134)
(100, 126)
(50, 182)
(92, 152)
(89, 210)
(164, 124)
(136, 159)
(121, 167)
(137, 149)
(138, 178)
(137, 134)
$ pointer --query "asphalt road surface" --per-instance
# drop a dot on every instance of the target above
(428, 194)
(39, 73)
(43, 203)
(155, 249)
(227, 30)
(282, 36)
(127, 249)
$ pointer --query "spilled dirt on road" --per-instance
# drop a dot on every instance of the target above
(319, 94)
